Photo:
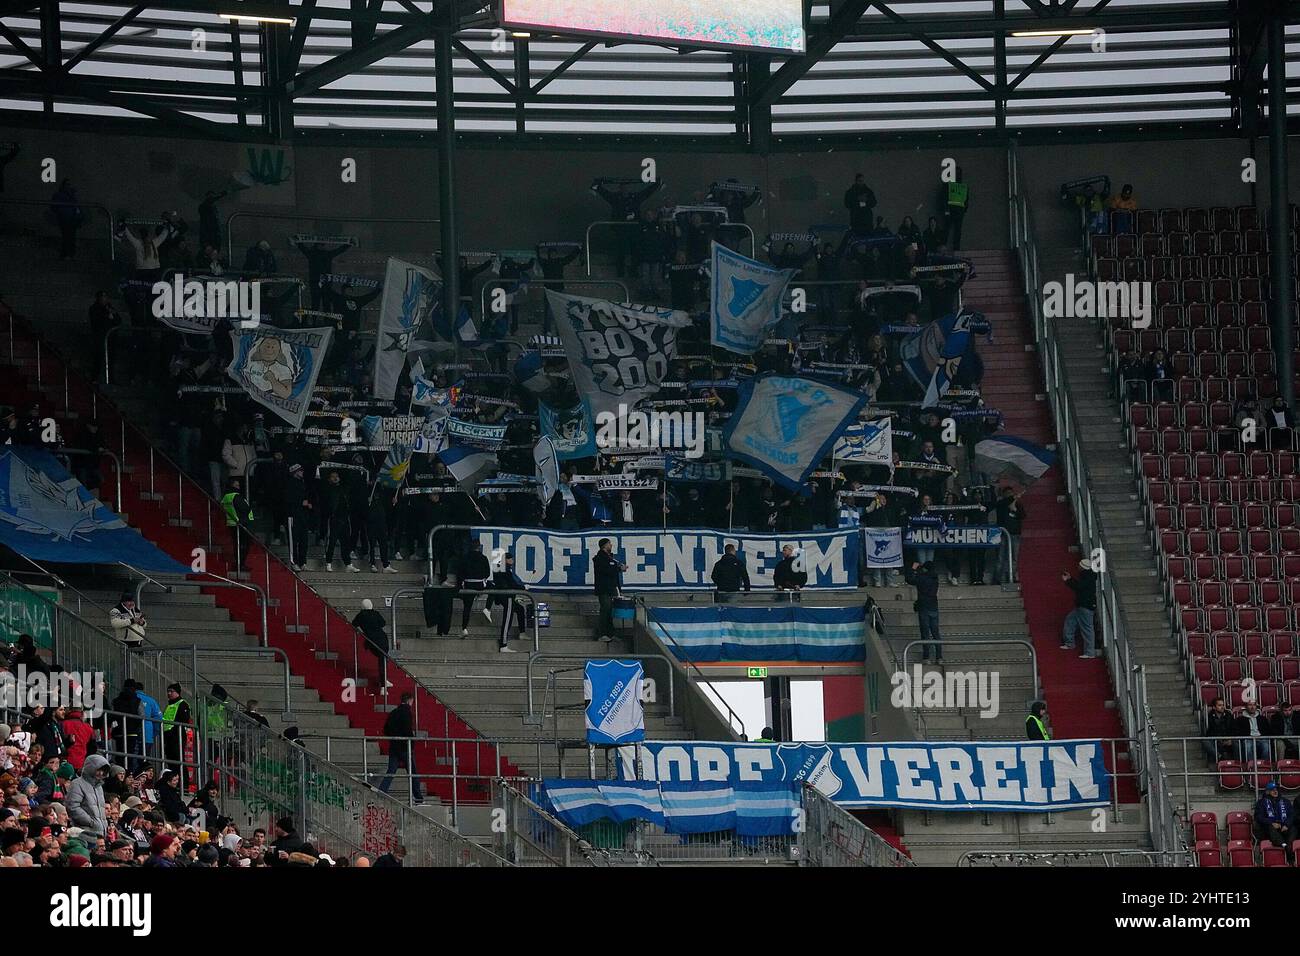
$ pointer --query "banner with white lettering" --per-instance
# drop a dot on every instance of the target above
(884, 547)
(618, 353)
(975, 536)
(1021, 776)
(680, 559)
(746, 300)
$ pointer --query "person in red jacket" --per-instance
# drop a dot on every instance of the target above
(79, 736)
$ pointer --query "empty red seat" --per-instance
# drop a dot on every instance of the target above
(1240, 823)
(1288, 774)
(1208, 854)
(1272, 855)
(1241, 853)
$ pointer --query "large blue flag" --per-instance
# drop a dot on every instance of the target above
(571, 429)
(278, 367)
(932, 355)
(746, 300)
(785, 426)
(46, 515)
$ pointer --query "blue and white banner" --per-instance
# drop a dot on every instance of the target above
(785, 426)
(546, 468)
(478, 435)
(1023, 776)
(46, 515)
(883, 546)
(618, 353)
(729, 632)
(973, 536)
(931, 356)
(1009, 456)
(464, 461)
(868, 443)
(278, 367)
(746, 300)
(748, 809)
(411, 294)
(571, 430)
(425, 393)
(613, 689)
(680, 469)
(679, 559)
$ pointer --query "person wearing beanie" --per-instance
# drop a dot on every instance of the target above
(208, 855)
(77, 860)
(162, 851)
(1035, 723)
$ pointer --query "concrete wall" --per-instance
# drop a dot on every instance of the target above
(515, 198)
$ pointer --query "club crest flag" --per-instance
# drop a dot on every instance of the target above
(618, 353)
(47, 515)
(571, 430)
(615, 714)
(932, 355)
(869, 443)
(746, 300)
(784, 426)
(278, 367)
(546, 465)
(411, 294)
(884, 547)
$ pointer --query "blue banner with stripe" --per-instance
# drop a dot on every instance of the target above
(791, 632)
(749, 809)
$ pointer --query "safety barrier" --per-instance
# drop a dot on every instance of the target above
(831, 836)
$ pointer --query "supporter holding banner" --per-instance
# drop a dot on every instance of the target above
(723, 632)
(671, 560)
(1006, 456)
(570, 429)
(619, 354)
(884, 547)
(966, 536)
(932, 355)
(613, 690)
(785, 426)
(1022, 776)
(869, 443)
(278, 367)
(746, 300)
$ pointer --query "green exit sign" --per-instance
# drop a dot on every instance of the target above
(758, 672)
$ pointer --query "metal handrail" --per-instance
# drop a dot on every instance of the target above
(462, 592)
(49, 204)
(829, 831)
(514, 837)
(230, 233)
(117, 465)
(533, 717)
(950, 642)
(1107, 858)
(685, 661)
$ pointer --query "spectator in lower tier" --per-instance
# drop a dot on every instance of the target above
(1036, 722)
(1275, 818)
(1251, 725)
(785, 577)
(607, 572)
(729, 575)
(1220, 726)
(1285, 724)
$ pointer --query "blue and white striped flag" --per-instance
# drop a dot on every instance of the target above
(725, 632)
(1011, 457)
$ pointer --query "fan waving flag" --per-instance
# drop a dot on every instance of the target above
(278, 367)
(746, 300)
(785, 426)
(46, 515)
(411, 295)
(870, 443)
(932, 355)
(1009, 457)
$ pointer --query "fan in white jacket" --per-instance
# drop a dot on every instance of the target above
(127, 621)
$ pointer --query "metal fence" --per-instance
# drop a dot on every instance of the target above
(526, 835)
(834, 837)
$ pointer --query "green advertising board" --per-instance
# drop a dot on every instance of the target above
(25, 611)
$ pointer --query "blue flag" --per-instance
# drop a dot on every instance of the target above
(615, 714)
(746, 300)
(785, 426)
(278, 367)
(932, 355)
(570, 429)
(46, 515)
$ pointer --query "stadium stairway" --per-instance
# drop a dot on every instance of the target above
(1131, 559)
(1079, 695)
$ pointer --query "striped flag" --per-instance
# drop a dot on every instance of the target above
(1009, 457)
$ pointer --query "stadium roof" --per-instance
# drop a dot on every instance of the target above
(874, 70)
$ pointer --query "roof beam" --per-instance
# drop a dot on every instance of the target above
(841, 21)
(394, 41)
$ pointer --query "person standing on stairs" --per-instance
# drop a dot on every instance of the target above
(239, 518)
(336, 505)
(1036, 722)
(1011, 516)
(296, 503)
(371, 624)
(926, 582)
(475, 573)
(507, 580)
(1085, 606)
(399, 728)
(176, 721)
(607, 571)
(957, 203)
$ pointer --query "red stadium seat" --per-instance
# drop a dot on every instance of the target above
(1241, 853)
(1231, 775)
(1208, 854)
(1239, 823)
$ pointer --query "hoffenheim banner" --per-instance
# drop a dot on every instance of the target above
(46, 515)
(883, 546)
(973, 536)
(747, 809)
(728, 632)
(411, 294)
(1022, 776)
(785, 426)
(746, 300)
(278, 367)
(678, 559)
(618, 353)
(932, 355)
(571, 430)
(615, 714)
(869, 443)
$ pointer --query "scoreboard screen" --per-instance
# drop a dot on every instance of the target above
(775, 25)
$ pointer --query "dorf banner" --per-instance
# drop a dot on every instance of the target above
(670, 560)
(1022, 776)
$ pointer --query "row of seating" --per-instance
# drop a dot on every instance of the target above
(1195, 440)
(1142, 268)
(1243, 617)
(1226, 465)
(1213, 491)
(1249, 313)
(1214, 592)
(1187, 415)
(1181, 242)
(1229, 518)
(1244, 643)
(1261, 668)
(1197, 340)
(1199, 218)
